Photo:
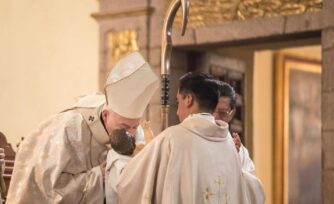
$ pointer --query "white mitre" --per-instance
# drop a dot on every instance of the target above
(130, 86)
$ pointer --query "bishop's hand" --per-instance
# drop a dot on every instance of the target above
(122, 142)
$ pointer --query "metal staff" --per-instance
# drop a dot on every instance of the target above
(167, 51)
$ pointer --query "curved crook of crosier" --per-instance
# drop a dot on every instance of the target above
(167, 29)
(166, 51)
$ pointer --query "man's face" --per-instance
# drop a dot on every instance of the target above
(182, 111)
(113, 121)
(223, 110)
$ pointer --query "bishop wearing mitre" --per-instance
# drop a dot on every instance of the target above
(62, 160)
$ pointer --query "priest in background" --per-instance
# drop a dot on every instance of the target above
(225, 111)
(193, 162)
(62, 161)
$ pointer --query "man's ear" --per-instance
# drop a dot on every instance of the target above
(105, 113)
(189, 100)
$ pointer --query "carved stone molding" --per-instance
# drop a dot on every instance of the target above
(122, 14)
(119, 44)
(214, 12)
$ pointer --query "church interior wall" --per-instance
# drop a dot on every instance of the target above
(48, 56)
(263, 119)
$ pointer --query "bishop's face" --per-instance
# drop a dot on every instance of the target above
(223, 110)
(113, 121)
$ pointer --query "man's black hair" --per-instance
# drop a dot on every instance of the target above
(203, 87)
(226, 90)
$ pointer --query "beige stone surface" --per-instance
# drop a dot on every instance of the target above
(187, 39)
(240, 30)
(156, 98)
(155, 56)
(121, 5)
(156, 23)
(327, 111)
(328, 150)
(328, 70)
(327, 38)
(158, 3)
(327, 13)
(309, 21)
(328, 187)
(103, 74)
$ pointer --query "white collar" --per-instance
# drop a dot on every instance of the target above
(207, 116)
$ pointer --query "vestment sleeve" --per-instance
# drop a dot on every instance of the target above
(254, 187)
(246, 161)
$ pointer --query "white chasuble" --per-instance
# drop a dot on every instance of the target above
(194, 162)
